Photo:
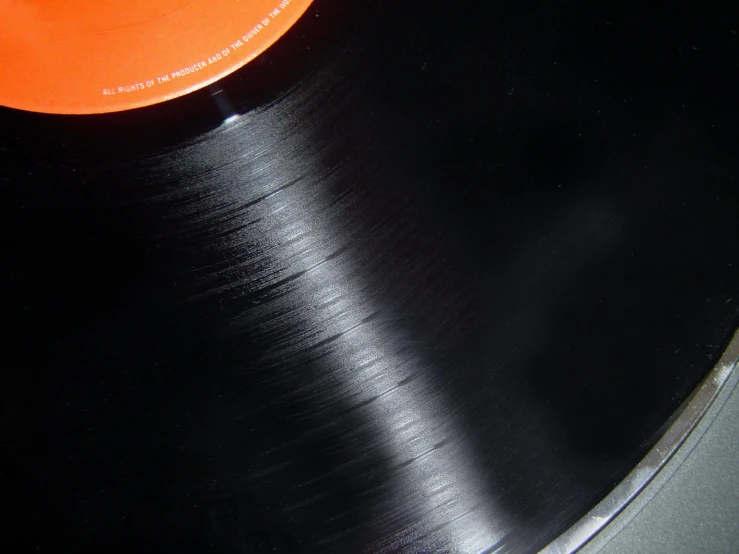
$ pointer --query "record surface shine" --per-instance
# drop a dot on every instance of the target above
(418, 279)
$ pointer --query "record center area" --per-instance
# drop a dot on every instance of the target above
(72, 58)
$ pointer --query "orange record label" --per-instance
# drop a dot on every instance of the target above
(94, 56)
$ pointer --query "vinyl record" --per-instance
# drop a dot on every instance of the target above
(420, 278)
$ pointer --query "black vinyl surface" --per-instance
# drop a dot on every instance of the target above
(418, 279)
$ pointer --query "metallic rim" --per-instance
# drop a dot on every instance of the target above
(693, 410)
